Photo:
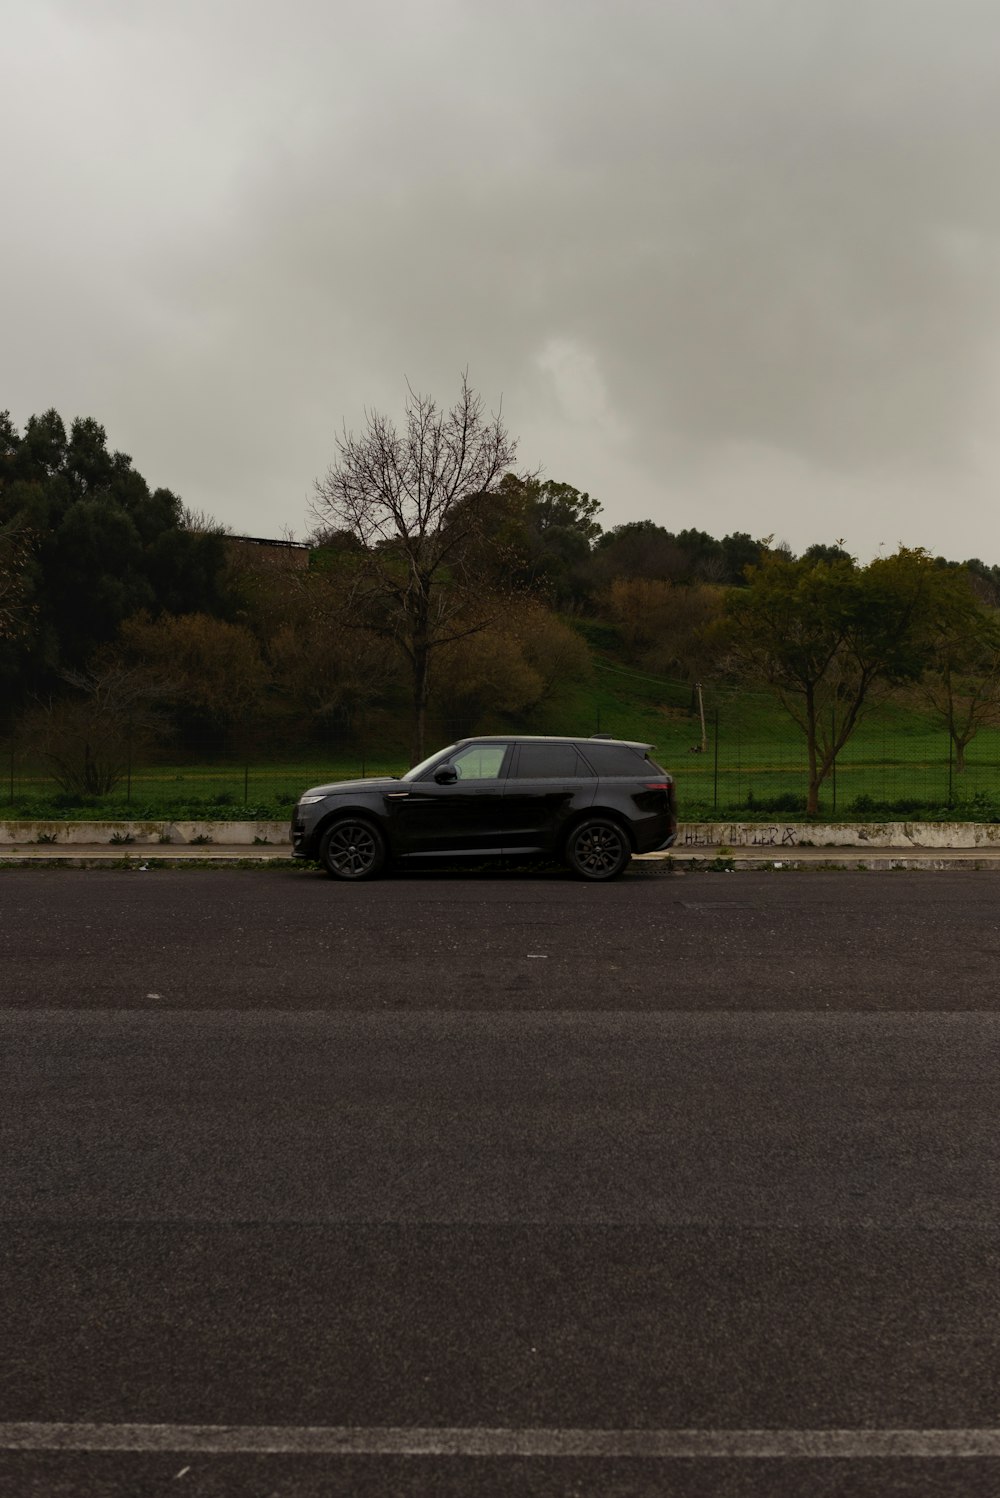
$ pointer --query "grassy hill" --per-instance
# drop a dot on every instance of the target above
(897, 764)
(896, 767)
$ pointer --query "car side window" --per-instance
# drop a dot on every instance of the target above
(479, 761)
(615, 760)
(548, 762)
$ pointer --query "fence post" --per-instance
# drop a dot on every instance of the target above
(833, 765)
(12, 772)
(715, 774)
(739, 759)
(951, 771)
(246, 784)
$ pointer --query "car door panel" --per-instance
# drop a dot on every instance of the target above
(535, 812)
(458, 818)
(546, 786)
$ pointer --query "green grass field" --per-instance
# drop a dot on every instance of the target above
(896, 765)
(755, 756)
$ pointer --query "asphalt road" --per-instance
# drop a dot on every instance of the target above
(686, 1185)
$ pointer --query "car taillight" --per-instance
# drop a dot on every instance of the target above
(657, 785)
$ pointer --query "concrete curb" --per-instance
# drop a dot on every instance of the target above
(701, 848)
(858, 859)
(102, 858)
(142, 835)
(648, 865)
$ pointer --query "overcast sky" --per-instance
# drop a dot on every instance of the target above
(732, 264)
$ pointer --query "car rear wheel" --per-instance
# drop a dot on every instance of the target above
(598, 849)
(352, 849)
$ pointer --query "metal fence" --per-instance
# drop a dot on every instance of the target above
(889, 766)
(876, 769)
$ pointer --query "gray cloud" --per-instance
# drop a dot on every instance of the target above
(730, 265)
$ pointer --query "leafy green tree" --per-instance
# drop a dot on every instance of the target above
(984, 580)
(212, 675)
(739, 551)
(666, 627)
(705, 557)
(509, 670)
(328, 680)
(481, 681)
(641, 548)
(41, 452)
(335, 679)
(557, 510)
(828, 637)
(15, 605)
(103, 546)
(961, 684)
(637, 549)
(93, 573)
(537, 537)
(417, 503)
(820, 552)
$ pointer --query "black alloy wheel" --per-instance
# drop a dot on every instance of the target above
(352, 850)
(598, 849)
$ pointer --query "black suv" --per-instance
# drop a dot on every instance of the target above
(590, 802)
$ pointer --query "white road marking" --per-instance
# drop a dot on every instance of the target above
(497, 1442)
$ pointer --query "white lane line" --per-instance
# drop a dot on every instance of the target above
(492, 1441)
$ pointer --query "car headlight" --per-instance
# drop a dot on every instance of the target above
(310, 800)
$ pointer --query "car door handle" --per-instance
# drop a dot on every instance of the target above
(396, 795)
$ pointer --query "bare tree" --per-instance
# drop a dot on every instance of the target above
(87, 740)
(414, 504)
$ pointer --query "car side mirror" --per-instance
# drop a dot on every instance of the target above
(446, 775)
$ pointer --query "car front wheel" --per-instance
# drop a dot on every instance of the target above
(598, 849)
(352, 850)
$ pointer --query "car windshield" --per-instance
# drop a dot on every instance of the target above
(425, 764)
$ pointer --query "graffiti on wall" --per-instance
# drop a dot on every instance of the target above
(740, 835)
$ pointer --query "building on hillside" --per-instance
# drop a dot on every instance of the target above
(271, 552)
